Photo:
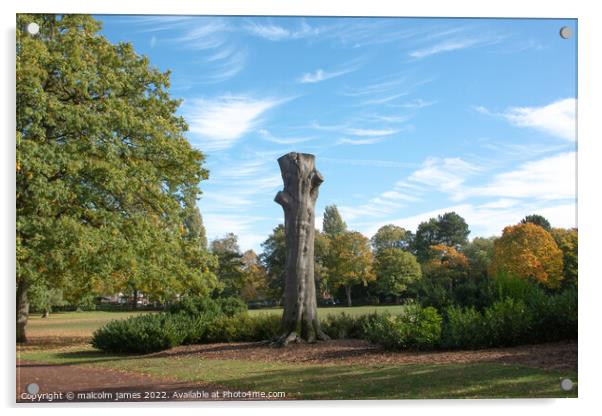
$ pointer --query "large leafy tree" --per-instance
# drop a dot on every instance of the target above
(392, 236)
(104, 172)
(449, 229)
(395, 269)
(349, 261)
(528, 251)
(332, 223)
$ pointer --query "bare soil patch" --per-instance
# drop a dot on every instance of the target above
(106, 384)
(558, 355)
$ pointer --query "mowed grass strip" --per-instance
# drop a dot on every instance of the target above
(83, 324)
(314, 381)
(72, 324)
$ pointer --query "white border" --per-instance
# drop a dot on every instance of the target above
(589, 169)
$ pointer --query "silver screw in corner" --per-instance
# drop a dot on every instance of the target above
(566, 384)
(33, 28)
(565, 32)
(32, 388)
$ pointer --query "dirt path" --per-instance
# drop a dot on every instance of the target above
(103, 385)
(558, 355)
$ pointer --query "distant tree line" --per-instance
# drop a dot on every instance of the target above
(437, 264)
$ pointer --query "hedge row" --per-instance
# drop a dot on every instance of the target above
(530, 318)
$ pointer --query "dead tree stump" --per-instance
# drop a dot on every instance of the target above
(298, 200)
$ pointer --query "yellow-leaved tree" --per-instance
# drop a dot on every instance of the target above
(528, 251)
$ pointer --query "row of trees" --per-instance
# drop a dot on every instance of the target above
(396, 263)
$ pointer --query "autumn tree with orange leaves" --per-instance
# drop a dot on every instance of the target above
(446, 263)
(528, 251)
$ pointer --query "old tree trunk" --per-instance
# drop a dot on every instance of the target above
(298, 200)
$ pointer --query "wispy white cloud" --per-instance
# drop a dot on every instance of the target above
(455, 44)
(218, 123)
(484, 220)
(275, 32)
(557, 118)
(546, 186)
(211, 36)
(356, 131)
(383, 100)
(370, 132)
(372, 140)
(551, 178)
(366, 162)
(416, 103)
(267, 135)
(446, 175)
(320, 75)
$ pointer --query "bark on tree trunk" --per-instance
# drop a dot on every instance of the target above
(22, 310)
(348, 293)
(46, 313)
(135, 300)
(298, 200)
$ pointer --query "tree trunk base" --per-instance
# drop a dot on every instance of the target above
(286, 339)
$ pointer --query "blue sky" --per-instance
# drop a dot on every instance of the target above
(408, 118)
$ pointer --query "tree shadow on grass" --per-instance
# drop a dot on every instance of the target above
(407, 382)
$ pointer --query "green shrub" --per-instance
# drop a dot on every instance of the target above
(509, 323)
(417, 328)
(231, 306)
(194, 306)
(555, 317)
(141, 334)
(339, 326)
(266, 326)
(229, 329)
(464, 328)
(509, 286)
(243, 328)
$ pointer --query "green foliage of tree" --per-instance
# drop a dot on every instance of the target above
(273, 258)
(230, 271)
(332, 223)
(392, 236)
(103, 169)
(193, 221)
(43, 299)
(479, 253)
(568, 241)
(395, 269)
(321, 273)
(349, 261)
(256, 279)
(449, 229)
(537, 220)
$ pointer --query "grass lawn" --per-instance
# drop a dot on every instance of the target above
(297, 380)
(83, 324)
(312, 381)
(72, 324)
